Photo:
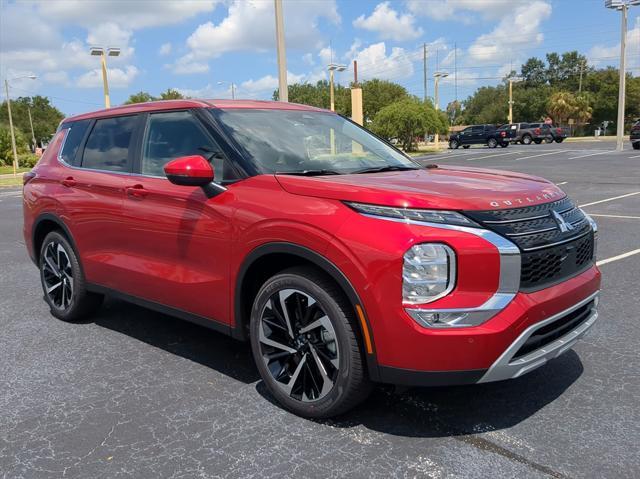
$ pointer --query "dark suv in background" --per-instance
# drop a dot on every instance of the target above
(527, 133)
(635, 135)
(488, 135)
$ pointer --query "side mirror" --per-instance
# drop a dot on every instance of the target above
(189, 171)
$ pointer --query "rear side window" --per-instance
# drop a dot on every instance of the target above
(107, 147)
(535, 125)
(74, 139)
(172, 135)
(478, 129)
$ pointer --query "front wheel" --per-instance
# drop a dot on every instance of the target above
(526, 140)
(492, 143)
(559, 140)
(537, 141)
(304, 342)
(636, 145)
(466, 147)
(453, 144)
(504, 144)
(63, 281)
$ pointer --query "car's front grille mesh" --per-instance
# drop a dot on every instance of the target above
(555, 239)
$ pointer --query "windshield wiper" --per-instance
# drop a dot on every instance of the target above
(309, 172)
(384, 168)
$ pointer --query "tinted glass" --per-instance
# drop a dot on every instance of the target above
(300, 141)
(107, 147)
(535, 125)
(478, 129)
(172, 135)
(72, 141)
(524, 126)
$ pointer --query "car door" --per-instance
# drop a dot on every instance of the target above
(178, 239)
(465, 136)
(477, 135)
(96, 168)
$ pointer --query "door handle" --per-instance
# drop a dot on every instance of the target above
(136, 191)
(69, 181)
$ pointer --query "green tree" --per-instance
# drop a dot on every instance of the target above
(6, 152)
(454, 112)
(140, 97)
(171, 94)
(408, 120)
(489, 104)
(564, 105)
(377, 94)
(534, 72)
(44, 115)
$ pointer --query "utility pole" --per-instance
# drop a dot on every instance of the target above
(424, 70)
(283, 91)
(437, 76)
(512, 80)
(33, 136)
(13, 135)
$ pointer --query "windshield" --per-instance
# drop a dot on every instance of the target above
(308, 142)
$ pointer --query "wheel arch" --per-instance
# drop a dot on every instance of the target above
(252, 275)
(43, 225)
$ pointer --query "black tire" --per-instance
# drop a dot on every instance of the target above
(559, 140)
(636, 145)
(492, 143)
(69, 301)
(504, 144)
(453, 144)
(548, 139)
(347, 384)
(526, 139)
(466, 147)
(537, 141)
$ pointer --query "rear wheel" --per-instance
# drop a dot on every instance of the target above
(537, 141)
(526, 140)
(62, 280)
(636, 145)
(303, 338)
(492, 143)
(453, 144)
(504, 144)
(559, 140)
(466, 147)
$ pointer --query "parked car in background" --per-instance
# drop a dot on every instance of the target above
(635, 135)
(525, 133)
(551, 133)
(488, 135)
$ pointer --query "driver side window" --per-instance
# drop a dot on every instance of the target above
(171, 135)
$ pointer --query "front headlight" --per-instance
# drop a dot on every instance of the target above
(428, 273)
(427, 216)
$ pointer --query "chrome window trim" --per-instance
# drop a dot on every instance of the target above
(503, 368)
(509, 282)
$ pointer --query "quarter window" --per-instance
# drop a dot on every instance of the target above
(72, 142)
(175, 134)
(107, 147)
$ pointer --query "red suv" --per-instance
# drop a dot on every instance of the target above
(343, 261)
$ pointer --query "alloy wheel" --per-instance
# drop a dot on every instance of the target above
(57, 275)
(298, 345)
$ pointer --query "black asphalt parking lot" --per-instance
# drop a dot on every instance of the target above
(133, 393)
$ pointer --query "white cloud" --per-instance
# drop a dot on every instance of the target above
(389, 24)
(118, 77)
(601, 55)
(250, 26)
(512, 36)
(307, 58)
(133, 14)
(373, 62)
(187, 65)
(460, 9)
(165, 49)
(57, 78)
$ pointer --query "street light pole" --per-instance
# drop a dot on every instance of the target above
(12, 131)
(102, 53)
(623, 80)
(511, 82)
(13, 135)
(283, 91)
(437, 76)
(332, 68)
(233, 88)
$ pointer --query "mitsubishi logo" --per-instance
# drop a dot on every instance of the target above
(563, 225)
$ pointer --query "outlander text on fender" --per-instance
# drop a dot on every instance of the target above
(340, 259)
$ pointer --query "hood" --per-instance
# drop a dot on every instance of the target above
(449, 188)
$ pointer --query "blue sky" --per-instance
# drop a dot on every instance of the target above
(192, 45)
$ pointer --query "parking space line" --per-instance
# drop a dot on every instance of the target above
(494, 156)
(592, 154)
(609, 199)
(616, 258)
(615, 216)
(561, 183)
(541, 154)
(637, 156)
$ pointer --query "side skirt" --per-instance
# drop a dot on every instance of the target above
(161, 308)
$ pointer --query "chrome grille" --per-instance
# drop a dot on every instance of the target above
(555, 240)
